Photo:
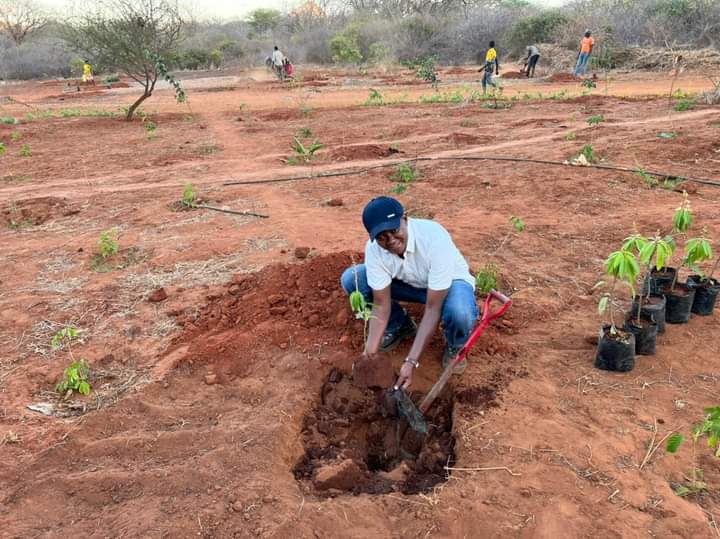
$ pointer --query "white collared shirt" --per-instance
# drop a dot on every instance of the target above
(277, 58)
(431, 259)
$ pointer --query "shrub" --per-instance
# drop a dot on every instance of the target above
(534, 29)
(345, 48)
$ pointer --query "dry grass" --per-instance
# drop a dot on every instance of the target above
(108, 386)
(188, 274)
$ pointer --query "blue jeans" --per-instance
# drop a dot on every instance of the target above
(487, 79)
(581, 65)
(459, 310)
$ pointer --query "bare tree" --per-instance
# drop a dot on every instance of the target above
(19, 18)
(132, 36)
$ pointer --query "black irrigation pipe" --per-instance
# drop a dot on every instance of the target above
(704, 181)
(234, 212)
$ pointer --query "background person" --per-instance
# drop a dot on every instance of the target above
(533, 55)
(491, 63)
(586, 46)
(277, 60)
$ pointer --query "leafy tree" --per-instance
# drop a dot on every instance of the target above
(132, 37)
(345, 48)
(264, 19)
(538, 28)
(20, 18)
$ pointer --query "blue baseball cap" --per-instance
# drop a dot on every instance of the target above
(381, 214)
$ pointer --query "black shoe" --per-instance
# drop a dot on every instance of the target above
(392, 338)
(448, 355)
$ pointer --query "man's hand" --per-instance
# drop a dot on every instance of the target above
(405, 378)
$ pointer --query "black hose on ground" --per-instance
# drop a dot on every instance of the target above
(704, 181)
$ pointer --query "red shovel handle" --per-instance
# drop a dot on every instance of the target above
(487, 317)
(485, 320)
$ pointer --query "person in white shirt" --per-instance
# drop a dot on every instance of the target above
(277, 60)
(413, 260)
(533, 55)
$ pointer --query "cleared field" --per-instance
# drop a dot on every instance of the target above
(206, 403)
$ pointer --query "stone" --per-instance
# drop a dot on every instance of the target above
(342, 318)
(274, 299)
(211, 379)
(302, 252)
(335, 202)
(343, 475)
(158, 295)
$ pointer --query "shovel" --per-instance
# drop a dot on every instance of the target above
(415, 414)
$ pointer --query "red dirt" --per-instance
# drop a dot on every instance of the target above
(200, 406)
(564, 77)
(512, 75)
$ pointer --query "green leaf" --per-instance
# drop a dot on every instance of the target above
(681, 491)
(84, 388)
(673, 443)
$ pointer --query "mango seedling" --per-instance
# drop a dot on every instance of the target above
(404, 175)
(306, 153)
(75, 376)
(15, 136)
(25, 150)
(623, 268)
(585, 156)
(708, 428)
(682, 218)
(2, 148)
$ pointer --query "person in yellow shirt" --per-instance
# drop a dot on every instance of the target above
(87, 73)
(586, 46)
(491, 64)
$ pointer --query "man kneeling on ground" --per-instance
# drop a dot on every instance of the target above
(412, 260)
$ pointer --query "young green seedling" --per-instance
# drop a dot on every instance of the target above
(595, 120)
(623, 268)
(359, 306)
(75, 376)
(697, 251)
(517, 223)
(25, 150)
(188, 196)
(306, 153)
(655, 251)
(710, 428)
(486, 278)
(108, 243)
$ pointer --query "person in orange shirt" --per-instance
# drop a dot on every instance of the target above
(586, 47)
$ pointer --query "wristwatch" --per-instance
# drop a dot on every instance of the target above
(414, 362)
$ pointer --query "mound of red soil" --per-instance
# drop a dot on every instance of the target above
(284, 304)
(564, 77)
(512, 75)
(36, 211)
(462, 139)
(361, 151)
(282, 115)
(355, 443)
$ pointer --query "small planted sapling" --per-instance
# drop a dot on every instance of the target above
(306, 153)
(75, 376)
(681, 296)
(486, 278)
(188, 196)
(25, 150)
(705, 285)
(360, 306)
(708, 428)
(108, 243)
(404, 175)
(616, 347)
(651, 252)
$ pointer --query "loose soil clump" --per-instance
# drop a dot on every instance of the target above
(354, 444)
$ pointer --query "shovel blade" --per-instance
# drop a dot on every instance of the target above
(406, 408)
